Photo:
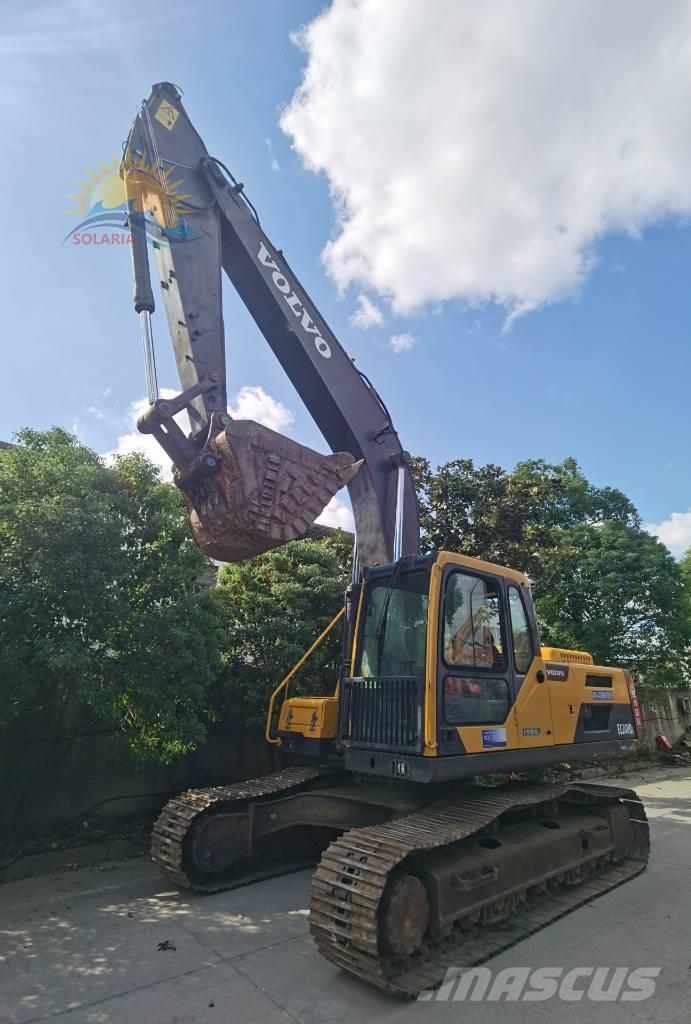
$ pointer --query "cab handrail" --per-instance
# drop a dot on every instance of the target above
(276, 740)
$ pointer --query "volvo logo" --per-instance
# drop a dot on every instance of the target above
(283, 285)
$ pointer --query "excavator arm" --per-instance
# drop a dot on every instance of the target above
(248, 488)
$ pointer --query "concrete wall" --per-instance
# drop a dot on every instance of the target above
(663, 715)
(57, 773)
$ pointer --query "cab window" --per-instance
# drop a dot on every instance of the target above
(520, 632)
(475, 700)
(395, 626)
(472, 624)
(473, 651)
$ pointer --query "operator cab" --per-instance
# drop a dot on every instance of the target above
(463, 664)
(448, 679)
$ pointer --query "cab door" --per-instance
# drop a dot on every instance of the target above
(532, 705)
(475, 695)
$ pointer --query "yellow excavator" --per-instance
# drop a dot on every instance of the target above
(443, 677)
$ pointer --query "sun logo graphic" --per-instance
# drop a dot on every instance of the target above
(124, 197)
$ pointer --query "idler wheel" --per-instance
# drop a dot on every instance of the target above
(403, 916)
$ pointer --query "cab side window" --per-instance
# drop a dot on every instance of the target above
(472, 625)
(473, 652)
(520, 632)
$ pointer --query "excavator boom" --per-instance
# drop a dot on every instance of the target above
(246, 490)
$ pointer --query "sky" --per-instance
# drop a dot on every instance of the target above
(489, 204)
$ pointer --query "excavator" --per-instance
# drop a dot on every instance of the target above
(426, 855)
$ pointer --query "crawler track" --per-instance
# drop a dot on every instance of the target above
(177, 819)
(351, 878)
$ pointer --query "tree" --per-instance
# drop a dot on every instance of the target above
(510, 517)
(104, 599)
(617, 592)
(685, 570)
(601, 582)
(275, 606)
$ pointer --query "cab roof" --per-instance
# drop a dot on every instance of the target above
(479, 565)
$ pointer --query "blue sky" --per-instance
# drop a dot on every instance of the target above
(598, 370)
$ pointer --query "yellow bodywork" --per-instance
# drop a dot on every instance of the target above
(546, 709)
(563, 654)
(552, 706)
(312, 717)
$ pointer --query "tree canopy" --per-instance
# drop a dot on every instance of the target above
(601, 583)
(104, 599)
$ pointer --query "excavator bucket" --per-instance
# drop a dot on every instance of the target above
(267, 491)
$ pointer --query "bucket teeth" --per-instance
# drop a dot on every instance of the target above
(268, 491)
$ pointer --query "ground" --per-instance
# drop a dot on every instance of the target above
(115, 943)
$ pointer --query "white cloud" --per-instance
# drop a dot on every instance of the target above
(675, 532)
(78, 430)
(275, 166)
(251, 403)
(481, 150)
(401, 343)
(367, 314)
(338, 515)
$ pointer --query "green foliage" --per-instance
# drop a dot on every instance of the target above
(275, 606)
(685, 570)
(601, 583)
(511, 517)
(102, 594)
(617, 592)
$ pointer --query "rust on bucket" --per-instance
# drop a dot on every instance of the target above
(268, 490)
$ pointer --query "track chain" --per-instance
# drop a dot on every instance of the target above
(349, 883)
(178, 816)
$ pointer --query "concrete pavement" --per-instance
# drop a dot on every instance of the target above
(85, 946)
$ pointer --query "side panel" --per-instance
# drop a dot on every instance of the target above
(533, 710)
(591, 702)
(528, 725)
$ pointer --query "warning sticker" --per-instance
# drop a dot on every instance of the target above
(635, 706)
(166, 114)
